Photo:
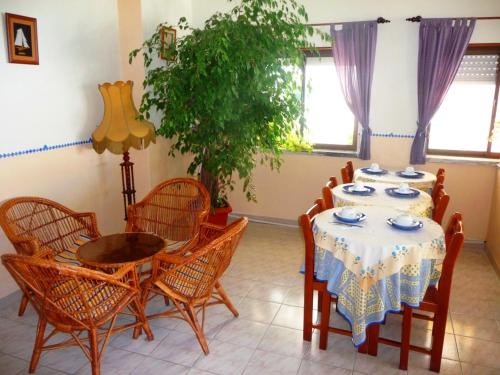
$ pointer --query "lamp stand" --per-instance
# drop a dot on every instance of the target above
(128, 185)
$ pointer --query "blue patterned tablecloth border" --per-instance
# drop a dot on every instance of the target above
(392, 135)
(44, 148)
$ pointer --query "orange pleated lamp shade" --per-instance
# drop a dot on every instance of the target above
(121, 127)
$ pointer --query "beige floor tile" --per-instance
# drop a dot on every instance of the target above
(419, 365)
(480, 328)
(271, 364)
(242, 332)
(340, 351)
(114, 362)
(258, 311)
(180, 348)
(291, 317)
(478, 352)
(385, 363)
(152, 366)
(470, 369)
(225, 358)
(309, 368)
(285, 341)
(268, 292)
(140, 345)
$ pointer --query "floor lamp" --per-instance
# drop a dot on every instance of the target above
(120, 129)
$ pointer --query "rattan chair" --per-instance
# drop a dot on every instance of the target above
(173, 210)
(188, 280)
(327, 192)
(36, 224)
(75, 300)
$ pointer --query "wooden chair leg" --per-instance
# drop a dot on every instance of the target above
(320, 300)
(308, 309)
(37, 350)
(405, 338)
(373, 332)
(23, 305)
(94, 352)
(439, 330)
(325, 320)
(223, 295)
(198, 330)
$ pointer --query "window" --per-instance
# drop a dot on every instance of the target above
(465, 122)
(330, 123)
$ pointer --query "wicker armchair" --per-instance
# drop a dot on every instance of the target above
(75, 299)
(188, 280)
(35, 224)
(173, 210)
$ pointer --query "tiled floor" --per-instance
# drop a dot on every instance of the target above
(264, 283)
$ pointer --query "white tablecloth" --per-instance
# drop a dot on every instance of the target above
(375, 268)
(419, 206)
(425, 183)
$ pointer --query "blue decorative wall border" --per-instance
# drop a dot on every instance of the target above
(44, 148)
(392, 135)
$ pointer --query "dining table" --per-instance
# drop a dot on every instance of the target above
(418, 203)
(421, 180)
(373, 267)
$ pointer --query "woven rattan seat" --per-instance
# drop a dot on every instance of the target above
(76, 300)
(189, 279)
(34, 224)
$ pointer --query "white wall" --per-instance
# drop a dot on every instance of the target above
(56, 102)
(394, 89)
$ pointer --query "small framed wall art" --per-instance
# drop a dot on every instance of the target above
(22, 39)
(168, 37)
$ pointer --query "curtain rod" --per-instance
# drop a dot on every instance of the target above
(419, 18)
(379, 20)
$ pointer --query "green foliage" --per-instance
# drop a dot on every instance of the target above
(296, 143)
(227, 98)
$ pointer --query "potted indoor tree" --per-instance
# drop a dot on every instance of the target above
(226, 92)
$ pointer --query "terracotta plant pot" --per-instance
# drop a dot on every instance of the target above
(219, 217)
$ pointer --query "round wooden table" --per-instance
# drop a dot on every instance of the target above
(115, 250)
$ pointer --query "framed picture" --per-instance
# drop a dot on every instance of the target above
(168, 37)
(22, 40)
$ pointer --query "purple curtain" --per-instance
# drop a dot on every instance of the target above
(354, 57)
(441, 48)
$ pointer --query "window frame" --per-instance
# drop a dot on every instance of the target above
(478, 49)
(326, 52)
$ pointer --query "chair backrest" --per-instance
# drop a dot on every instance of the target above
(350, 169)
(435, 191)
(306, 223)
(440, 206)
(69, 295)
(440, 171)
(173, 210)
(454, 235)
(195, 278)
(49, 223)
(346, 177)
(327, 192)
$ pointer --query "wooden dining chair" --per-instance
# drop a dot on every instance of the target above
(189, 280)
(440, 206)
(346, 177)
(35, 224)
(74, 300)
(435, 192)
(350, 169)
(173, 210)
(436, 301)
(327, 192)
